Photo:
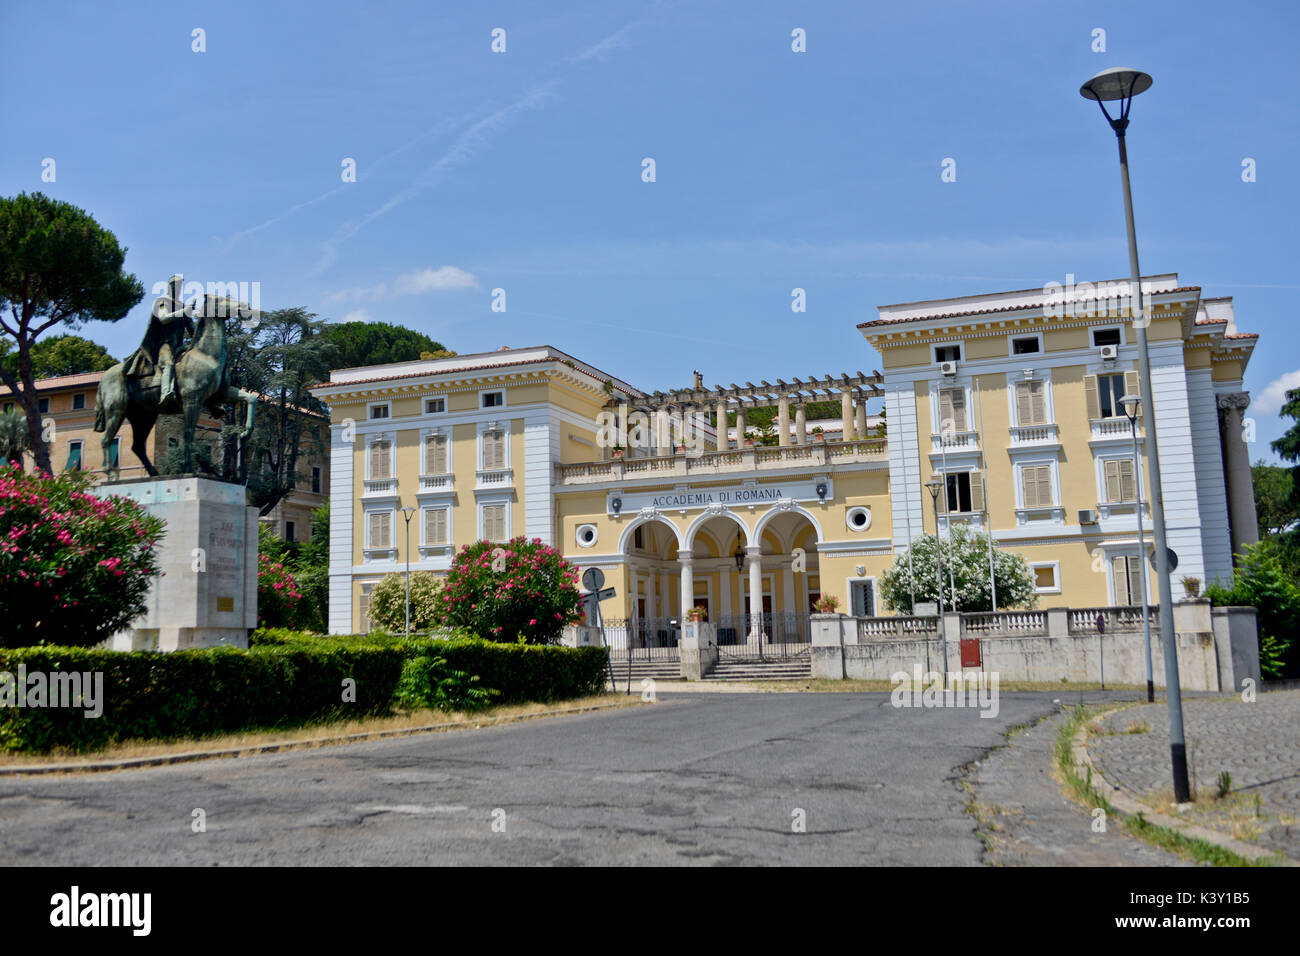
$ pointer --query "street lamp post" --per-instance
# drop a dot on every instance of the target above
(1123, 84)
(1130, 405)
(934, 484)
(407, 513)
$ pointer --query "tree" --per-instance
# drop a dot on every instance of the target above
(13, 438)
(388, 602)
(74, 568)
(57, 266)
(61, 355)
(1261, 581)
(377, 343)
(1277, 506)
(966, 555)
(519, 590)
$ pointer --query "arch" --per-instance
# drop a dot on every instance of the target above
(639, 520)
(776, 511)
(707, 516)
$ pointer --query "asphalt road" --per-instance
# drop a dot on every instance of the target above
(692, 779)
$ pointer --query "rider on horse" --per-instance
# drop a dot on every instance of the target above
(163, 345)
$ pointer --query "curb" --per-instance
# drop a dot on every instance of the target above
(191, 756)
(1133, 806)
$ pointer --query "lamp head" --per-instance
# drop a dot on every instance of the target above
(1130, 405)
(934, 484)
(1117, 83)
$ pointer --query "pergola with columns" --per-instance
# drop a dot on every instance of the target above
(853, 391)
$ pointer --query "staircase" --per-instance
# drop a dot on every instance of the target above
(654, 669)
(753, 668)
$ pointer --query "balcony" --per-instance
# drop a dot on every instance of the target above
(954, 443)
(735, 461)
(1046, 435)
(442, 483)
(496, 479)
(379, 488)
(1113, 429)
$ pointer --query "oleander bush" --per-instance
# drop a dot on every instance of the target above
(74, 567)
(517, 590)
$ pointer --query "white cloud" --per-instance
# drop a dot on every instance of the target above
(428, 280)
(357, 293)
(358, 315)
(1274, 395)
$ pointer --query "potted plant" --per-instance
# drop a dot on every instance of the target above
(818, 435)
(697, 614)
(1192, 586)
(618, 451)
(826, 604)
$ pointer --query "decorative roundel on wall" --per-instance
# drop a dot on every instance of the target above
(586, 535)
(858, 519)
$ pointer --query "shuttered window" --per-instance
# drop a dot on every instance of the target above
(74, 456)
(1036, 486)
(1031, 403)
(435, 526)
(494, 450)
(1120, 485)
(381, 459)
(494, 522)
(952, 408)
(965, 492)
(381, 529)
(1127, 572)
(435, 455)
(1102, 393)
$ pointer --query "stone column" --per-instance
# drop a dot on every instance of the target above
(723, 443)
(688, 583)
(740, 426)
(783, 419)
(800, 425)
(755, 593)
(862, 418)
(1244, 527)
(846, 415)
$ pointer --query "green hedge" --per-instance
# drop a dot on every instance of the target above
(155, 696)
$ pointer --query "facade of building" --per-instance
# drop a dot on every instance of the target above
(1010, 400)
(67, 402)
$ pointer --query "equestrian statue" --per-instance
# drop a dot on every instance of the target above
(167, 376)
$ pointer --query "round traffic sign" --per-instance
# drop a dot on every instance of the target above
(593, 579)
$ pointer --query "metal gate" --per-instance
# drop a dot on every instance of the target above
(775, 634)
(643, 639)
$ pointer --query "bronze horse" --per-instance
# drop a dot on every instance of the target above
(202, 381)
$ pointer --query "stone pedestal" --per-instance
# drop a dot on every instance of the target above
(699, 649)
(207, 593)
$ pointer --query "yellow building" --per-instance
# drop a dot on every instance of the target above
(67, 407)
(1010, 399)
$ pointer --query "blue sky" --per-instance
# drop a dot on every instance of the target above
(774, 170)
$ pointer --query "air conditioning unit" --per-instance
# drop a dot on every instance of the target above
(1089, 515)
(1109, 353)
(949, 369)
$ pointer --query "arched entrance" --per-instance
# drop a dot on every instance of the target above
(650, 547)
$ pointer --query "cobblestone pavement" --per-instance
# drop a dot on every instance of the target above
(1257, 743)
(1027, 820)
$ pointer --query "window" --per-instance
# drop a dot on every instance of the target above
(74, 456)
(494, 399)
(364, 608)
(862, 598)
(42, 405)
(1120, 485)
(952, 410)
(1036, 486)
(435, 526)
(315, 479)
(1025, 345)
(494, 450)
(1031, 403)
(1102, 393)
(379, 411)
(381, 459)
(435, 406)
(947, 353)
(1045, 577)
(965, 493)
(381, 529)
(288, 531)
(638, 539)
(435, 455)
(78, 401)
(1102, 337)
(494, 523)
(1126, 571)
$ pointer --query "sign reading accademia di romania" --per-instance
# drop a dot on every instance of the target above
(741, 495)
